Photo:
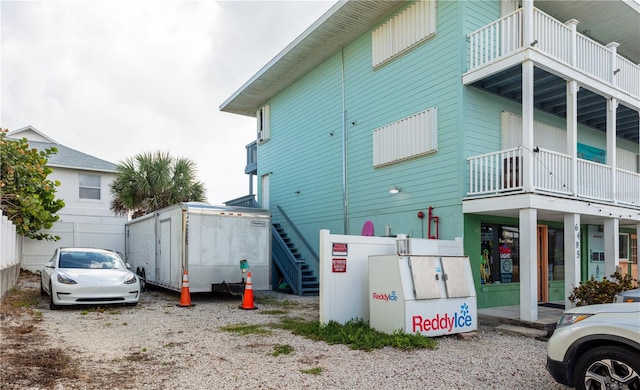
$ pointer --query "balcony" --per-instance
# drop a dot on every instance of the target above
(556, 40)
(560, 53)
(501, 173)
(252, 158)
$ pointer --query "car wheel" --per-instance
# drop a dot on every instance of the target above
(143, 278)
(608, 368)
(52, 305)
(42, 291)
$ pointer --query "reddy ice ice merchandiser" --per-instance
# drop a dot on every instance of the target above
(417, 293)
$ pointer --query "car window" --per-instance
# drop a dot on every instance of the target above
(90, 260)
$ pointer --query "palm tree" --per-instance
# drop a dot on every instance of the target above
(154, 180)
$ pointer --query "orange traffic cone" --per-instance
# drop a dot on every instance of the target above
(247, 297)
(185, 296)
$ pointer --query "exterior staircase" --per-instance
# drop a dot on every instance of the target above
(296, 270)
(300, 277)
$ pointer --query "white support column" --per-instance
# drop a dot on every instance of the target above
(611, 245)
(637, 275)
(612, 107)
(527, 98)
(527, 125)
(572, 132)
(571, 255)
(528, 234)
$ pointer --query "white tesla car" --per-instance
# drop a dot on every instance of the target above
(88, 276)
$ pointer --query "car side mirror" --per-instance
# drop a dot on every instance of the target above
(127, 265)
(49, 265)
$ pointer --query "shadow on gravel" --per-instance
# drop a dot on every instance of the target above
(25, 359)
(26, 356)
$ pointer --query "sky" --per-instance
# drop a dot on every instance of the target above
(115, 78)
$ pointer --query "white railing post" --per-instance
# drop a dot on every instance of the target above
(527, 23)
(573, 25)
(613, 63)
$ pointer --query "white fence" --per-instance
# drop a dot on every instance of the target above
(9, 255)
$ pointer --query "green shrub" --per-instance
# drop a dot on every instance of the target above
(595, 291)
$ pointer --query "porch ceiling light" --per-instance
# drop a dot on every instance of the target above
(394, 190)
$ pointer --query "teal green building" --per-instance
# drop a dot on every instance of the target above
(511, 124)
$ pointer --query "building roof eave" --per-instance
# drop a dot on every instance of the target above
(341, 24)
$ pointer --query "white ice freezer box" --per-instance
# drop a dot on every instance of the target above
(430, 295)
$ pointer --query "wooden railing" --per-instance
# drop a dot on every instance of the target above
(501, 173)
(557, 40)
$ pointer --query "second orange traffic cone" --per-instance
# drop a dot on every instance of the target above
(247, 297)
(185, 295)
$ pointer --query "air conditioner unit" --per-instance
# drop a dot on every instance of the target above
(260, 135)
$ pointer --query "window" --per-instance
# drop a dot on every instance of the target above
(500, 254)
(89, 187)
(409, 28)
(623, 246)
(263, 119)
(407, 138)
(556, 254)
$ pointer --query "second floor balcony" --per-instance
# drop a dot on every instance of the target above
(503, 173)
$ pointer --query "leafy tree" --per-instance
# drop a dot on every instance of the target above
(27, 197)
(154, 180)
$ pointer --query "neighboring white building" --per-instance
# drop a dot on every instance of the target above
(86, 219)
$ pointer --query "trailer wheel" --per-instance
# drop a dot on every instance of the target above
(143, 278)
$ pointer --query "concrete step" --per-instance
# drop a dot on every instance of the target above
(521, 331)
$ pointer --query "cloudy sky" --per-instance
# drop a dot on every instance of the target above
(114, 78)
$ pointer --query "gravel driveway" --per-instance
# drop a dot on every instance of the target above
(158, 345)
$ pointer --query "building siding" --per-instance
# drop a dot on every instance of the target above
(305, 161)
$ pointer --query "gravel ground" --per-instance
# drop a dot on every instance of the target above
(158, 345)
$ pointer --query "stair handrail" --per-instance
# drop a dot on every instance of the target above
(288, 264)
(295, 229)
(244, 201)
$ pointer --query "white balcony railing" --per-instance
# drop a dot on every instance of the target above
(552, 172)
(593, 180)
(501, 173)
(496, 172)
(557, 40)
(628, 184)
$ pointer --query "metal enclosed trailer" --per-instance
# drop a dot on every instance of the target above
(216, 245)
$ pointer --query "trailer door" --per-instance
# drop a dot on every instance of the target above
(164, 240)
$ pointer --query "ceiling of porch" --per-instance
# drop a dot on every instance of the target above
(550, 96)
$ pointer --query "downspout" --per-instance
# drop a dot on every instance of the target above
(345, 185)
